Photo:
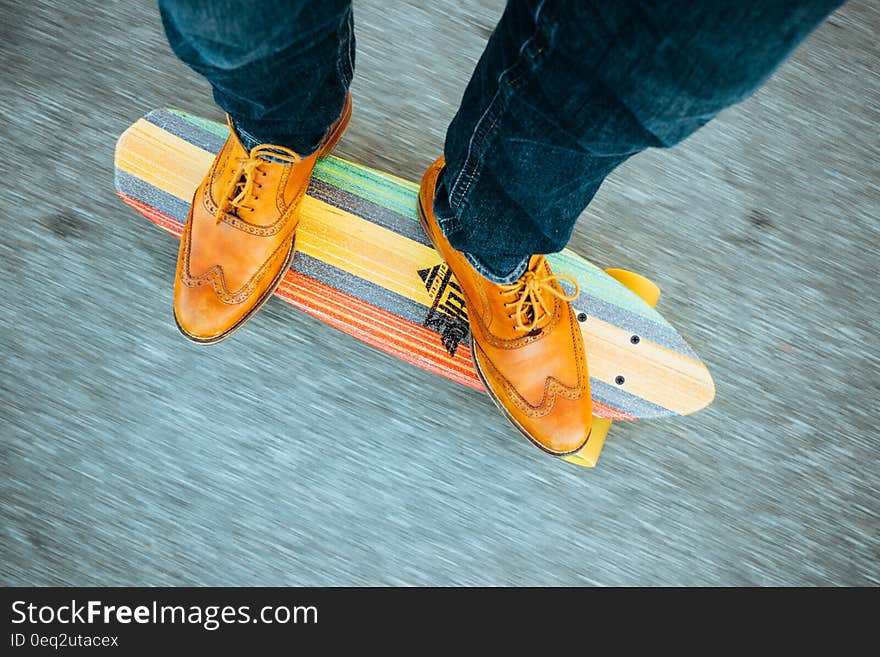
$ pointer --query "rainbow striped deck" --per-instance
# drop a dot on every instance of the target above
(364, 266)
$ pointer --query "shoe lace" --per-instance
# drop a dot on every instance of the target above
(528, 297)
(244, 180)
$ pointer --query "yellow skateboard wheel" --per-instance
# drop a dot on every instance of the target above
(589, 453)
(644, 287)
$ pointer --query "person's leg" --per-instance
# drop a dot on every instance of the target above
(280, 68)
(565, 91)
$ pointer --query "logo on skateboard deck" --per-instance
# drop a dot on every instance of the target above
(447, 314)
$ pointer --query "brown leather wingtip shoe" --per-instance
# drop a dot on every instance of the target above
(526, 342)
(239, 237)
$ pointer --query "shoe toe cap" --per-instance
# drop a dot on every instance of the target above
(564, 429)
(201, 316)
(558, 423)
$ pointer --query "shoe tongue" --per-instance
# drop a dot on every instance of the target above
(268, 158)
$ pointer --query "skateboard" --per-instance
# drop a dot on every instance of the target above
(364, 265)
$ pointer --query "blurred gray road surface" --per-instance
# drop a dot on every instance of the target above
(293, 454)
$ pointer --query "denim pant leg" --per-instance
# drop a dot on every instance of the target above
(280, 68)
(567, 90)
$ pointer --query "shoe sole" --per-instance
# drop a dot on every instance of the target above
(332, 139)
(495, 398)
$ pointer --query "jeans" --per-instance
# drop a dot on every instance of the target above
(565, 91)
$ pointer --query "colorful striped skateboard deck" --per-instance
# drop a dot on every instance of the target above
(364, 265)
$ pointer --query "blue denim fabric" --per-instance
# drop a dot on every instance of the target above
(280, 68)
(564, 92)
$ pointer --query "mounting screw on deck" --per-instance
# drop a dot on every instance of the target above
(582, 317)
(619, 380)
(635, 339)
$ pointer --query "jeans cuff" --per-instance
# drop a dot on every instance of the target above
(502, 271)
(250, 138)
(490, 271)
(247, 139)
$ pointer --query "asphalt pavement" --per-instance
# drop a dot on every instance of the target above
(293, 454)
